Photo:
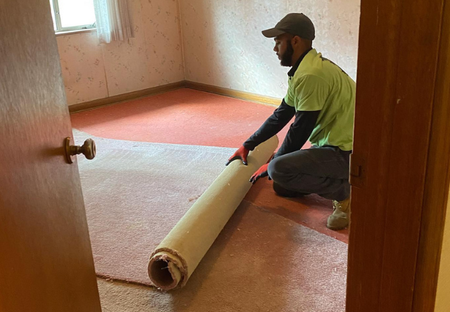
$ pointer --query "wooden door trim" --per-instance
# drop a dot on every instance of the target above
(436, 182)
(393, 198)
(79, 107)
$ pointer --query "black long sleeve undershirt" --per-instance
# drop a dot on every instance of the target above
(297, 135)
(279, 118)
(299, 132)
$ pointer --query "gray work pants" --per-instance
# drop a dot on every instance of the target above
(319, 170)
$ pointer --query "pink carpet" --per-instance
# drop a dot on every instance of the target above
(182, 116)
(311, 211)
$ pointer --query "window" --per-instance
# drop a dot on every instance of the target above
(72, 14)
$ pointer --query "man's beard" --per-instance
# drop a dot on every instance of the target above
(286, 58)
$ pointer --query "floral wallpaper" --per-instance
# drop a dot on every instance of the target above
(207, 41)
(82, 67)
(154, 57)
(223, 44)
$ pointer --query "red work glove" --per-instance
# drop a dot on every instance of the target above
(260, 173)
(241, 153)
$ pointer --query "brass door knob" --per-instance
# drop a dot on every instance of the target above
(87, 149)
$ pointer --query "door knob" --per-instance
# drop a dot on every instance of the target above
(87, 149)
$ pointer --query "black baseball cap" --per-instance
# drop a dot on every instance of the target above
(297, 24)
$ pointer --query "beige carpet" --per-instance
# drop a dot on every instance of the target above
(135, 193)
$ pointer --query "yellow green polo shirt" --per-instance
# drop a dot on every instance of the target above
(319, 84)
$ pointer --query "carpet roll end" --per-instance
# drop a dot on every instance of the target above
(164, 271)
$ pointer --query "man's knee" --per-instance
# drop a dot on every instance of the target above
(278, 169)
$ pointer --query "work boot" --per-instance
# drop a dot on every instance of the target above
(340, 217)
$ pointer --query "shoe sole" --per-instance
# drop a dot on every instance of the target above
(337, 228)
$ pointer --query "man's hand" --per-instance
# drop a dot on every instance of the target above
(241, 153)
(260, 173)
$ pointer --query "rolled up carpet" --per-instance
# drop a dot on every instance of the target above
(177, 256)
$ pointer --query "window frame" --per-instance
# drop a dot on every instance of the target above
(57, 20)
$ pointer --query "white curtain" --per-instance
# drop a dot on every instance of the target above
(112, 20)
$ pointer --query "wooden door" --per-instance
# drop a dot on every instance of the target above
(46, 261)
(400, 161)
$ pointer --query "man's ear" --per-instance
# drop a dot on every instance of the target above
(296, 40)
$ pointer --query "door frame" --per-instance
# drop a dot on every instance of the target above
(400, 162)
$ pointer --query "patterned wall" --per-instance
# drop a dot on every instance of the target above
(154, 57)
(223, 44)
(220, 41)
